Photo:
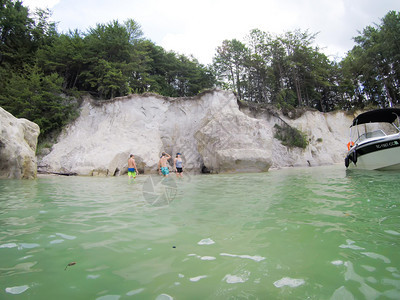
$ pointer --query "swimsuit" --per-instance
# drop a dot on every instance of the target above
(164, 170)
(179, 166)
(132, 172)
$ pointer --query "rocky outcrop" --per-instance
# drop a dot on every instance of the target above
(210, 131)
(100, 140)
(234, 142)
(18, 140)
(327, 136)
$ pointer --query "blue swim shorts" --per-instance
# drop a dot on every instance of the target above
(164, 170)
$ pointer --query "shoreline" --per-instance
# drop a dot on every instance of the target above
(44, 175)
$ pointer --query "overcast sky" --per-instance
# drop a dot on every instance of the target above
(198, 27)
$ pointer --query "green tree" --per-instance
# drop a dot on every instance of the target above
(375, 63)
(177, 75)
(37, 97)
(66, 57)
(230, 65)
(15, 35)
(134, 31)
(261, 82)
(106, 50)
(286, 70)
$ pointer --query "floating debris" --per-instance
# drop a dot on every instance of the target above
(16, 290)
(70, 264)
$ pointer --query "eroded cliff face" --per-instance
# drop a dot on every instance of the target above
(210, 131)
(18, 140)
(327, 135)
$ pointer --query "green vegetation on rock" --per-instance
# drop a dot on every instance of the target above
(290, 136)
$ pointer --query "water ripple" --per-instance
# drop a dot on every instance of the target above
(320, 232)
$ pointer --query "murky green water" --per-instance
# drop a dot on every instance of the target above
(315, 233)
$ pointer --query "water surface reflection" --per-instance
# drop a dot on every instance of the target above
(319, 233)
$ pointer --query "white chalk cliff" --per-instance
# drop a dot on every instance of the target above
(18, 140)
(210, 131)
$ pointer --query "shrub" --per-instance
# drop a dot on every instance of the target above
(290, 137)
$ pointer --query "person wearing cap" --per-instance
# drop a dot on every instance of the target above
(178, 165)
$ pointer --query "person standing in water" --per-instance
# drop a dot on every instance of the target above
(132, 169)
(162, 164)
(178, 165)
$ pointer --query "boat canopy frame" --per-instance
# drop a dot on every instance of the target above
(385, 115)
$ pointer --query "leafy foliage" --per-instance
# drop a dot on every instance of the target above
(35, 96)
(290, 136)
(374, 64)
(288, 71)
(284, 70)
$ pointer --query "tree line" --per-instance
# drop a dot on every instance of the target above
(289, 71)
(43, 71)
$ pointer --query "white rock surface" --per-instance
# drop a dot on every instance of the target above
(328, 135)
(234, 142)
(18, 141)
(209, 130)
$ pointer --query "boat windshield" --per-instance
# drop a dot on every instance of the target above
(371, 134)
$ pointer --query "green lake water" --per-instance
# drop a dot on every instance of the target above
(313, 233)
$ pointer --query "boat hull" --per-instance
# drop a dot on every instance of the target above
(381, 155)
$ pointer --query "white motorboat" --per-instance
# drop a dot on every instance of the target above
(376, 143)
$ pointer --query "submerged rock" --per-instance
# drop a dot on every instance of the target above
(18, 141)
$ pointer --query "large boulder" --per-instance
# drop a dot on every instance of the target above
(233, 142)
(18, 141)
